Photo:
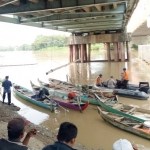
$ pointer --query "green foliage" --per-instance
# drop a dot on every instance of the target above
(42, 42)
(97, 46)
(134, 46)
(25, 47)
(3, 48)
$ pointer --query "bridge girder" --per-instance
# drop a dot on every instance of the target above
(70, 15)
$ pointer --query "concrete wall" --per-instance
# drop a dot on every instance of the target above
(144, 52)
(140, 40)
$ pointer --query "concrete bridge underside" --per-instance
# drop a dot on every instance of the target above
(107, 18)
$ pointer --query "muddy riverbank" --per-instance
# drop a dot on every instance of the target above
(44, 135)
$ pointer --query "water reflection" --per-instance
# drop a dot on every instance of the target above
(93, 131)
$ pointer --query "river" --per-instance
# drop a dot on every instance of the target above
(94, 132)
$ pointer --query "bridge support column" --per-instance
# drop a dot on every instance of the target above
(75, 47)
(78, 50)
(128, 51)
(108, 51)
(119, 51)
(70, 48)
(85, 53)
(89, 53)
(122, 51)
(116, 51)
(105, 46)
(82, 52)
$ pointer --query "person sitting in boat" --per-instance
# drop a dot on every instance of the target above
(71, 96)
(111, 82)
(41, 95)
(99, 81)
(119, 83)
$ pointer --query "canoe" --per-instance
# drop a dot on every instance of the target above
(136, 113)
(135, 94)
(62, 100)
(30, 96)
(60, 90)
(82, 88)
(125, 123)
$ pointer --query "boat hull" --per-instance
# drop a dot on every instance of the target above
(125, 127)
(116, 111)
(135, 94)
(32, 100)
(84, 98)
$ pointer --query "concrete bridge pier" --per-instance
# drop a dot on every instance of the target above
(80, 46)
(89, 53)
(108, 51)
(122, 46)
(70, 48)
(128, 51)
(116, 54)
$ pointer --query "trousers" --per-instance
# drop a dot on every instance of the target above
(8, 96)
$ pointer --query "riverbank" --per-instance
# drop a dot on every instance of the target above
(43, 137)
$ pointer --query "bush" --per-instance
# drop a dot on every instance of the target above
(134, 46)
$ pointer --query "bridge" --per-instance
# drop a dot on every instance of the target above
(138, 26)
(89, 21)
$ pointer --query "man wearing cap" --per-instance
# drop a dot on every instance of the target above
(7, 84)
(16, 131)
(125, 77)
(99, 81)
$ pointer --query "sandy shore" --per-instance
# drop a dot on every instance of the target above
(43, 137)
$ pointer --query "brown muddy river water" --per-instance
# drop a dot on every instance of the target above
(93, 131)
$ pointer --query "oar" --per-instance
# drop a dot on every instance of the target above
(52, 70)
(79, 104)
(56, 103)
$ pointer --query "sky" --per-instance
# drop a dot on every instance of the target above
(16, 35)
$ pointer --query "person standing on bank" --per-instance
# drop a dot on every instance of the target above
(66, 137)
(99, 81)
(6, 89)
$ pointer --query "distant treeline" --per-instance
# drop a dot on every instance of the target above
(41, 42)
(53, 42)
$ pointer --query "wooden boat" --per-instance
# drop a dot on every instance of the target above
(125, 123)
(63, 100)
(30, 96)
(136, 113)
(136, 94)
(60, 90)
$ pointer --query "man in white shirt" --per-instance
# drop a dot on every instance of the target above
(111, 82)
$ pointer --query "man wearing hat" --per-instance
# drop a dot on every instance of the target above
(7, 84)
(16, 131)
(99, 81)
(125, 77)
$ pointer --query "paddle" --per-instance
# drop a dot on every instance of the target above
(79, 104)
(57, 104)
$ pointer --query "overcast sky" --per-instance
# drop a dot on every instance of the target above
(15, 35)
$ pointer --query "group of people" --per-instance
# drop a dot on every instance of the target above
(65, 139)
(111, 82)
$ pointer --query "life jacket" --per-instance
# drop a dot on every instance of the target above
(126, 77)
(99, 80)
(71, 95)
